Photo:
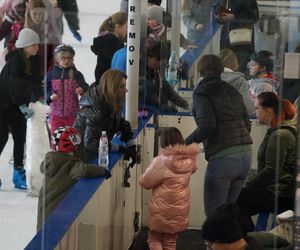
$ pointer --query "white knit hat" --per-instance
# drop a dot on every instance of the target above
(155, 12)
(26, 38)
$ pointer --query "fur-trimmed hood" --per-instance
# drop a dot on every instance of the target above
(178, 157)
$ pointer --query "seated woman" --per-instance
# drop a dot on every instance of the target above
(274, 182)
(101, 111)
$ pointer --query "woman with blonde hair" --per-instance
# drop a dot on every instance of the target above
(112, 34)
(101, 111)
(234, 78)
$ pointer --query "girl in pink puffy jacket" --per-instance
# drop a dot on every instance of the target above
(168, 176)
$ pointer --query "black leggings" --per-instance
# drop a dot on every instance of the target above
(13, 117)
(253, 200)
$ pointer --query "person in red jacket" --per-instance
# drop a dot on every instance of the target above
(168, 176)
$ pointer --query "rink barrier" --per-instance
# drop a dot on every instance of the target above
(61, 219)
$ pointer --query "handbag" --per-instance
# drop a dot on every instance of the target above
(240, 36)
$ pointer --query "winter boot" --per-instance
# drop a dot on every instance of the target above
(77, 36)
(19, 178)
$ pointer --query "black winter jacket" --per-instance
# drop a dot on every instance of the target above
(95, 116)
(149, 93)
(104, 46)
(17, 87)
(221, 117)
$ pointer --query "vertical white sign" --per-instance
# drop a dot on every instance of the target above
(132, 64)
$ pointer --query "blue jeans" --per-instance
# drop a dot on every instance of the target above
(224, 179)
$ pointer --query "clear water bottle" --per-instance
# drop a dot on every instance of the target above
(103, 151)
(172, 77)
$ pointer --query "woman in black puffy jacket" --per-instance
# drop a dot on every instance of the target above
(101, 111)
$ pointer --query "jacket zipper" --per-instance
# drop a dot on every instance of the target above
(63, 92)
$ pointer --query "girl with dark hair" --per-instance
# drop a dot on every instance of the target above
(112, 34)
(168, 176)
(272, 189)
(223, 126)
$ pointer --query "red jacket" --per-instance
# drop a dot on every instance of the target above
(168, 176)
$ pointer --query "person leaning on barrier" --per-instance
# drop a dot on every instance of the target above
(101, 111)
(62, 168)
(149, 92)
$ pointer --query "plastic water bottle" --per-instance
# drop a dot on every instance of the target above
(172, 70)
(103, 151)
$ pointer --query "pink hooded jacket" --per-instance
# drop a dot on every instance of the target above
(168, 176)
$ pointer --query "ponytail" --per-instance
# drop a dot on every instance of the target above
(109, 24)
(283, 109)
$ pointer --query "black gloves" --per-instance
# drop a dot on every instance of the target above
(130, 153)
(126, 131)
(107, 174)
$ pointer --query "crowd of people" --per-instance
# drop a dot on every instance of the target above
(223, 100)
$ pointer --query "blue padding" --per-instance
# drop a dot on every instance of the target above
(61, 219)
(191, 55)
(262, 222)
(177, 113)
(186, 89)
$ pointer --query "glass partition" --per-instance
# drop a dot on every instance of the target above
(168, 75)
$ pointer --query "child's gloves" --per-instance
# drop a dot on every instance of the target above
(107, 174)
(28, 113)
(130, 152)
(128, 149)
(79, 91)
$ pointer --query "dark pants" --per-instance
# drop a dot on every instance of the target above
(12, 117)
(70, 10)
(253, 200)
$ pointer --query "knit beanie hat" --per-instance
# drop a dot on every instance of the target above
(26, 38)
(222, 225)
(156, 2)
(155, 12)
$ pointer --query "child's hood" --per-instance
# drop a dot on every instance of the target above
(180, 158)
(54, 161)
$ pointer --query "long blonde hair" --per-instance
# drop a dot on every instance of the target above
(33, 4)
(229, 59)
(109, 24)
(109, 84)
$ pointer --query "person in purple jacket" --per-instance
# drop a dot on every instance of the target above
(64, 84)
